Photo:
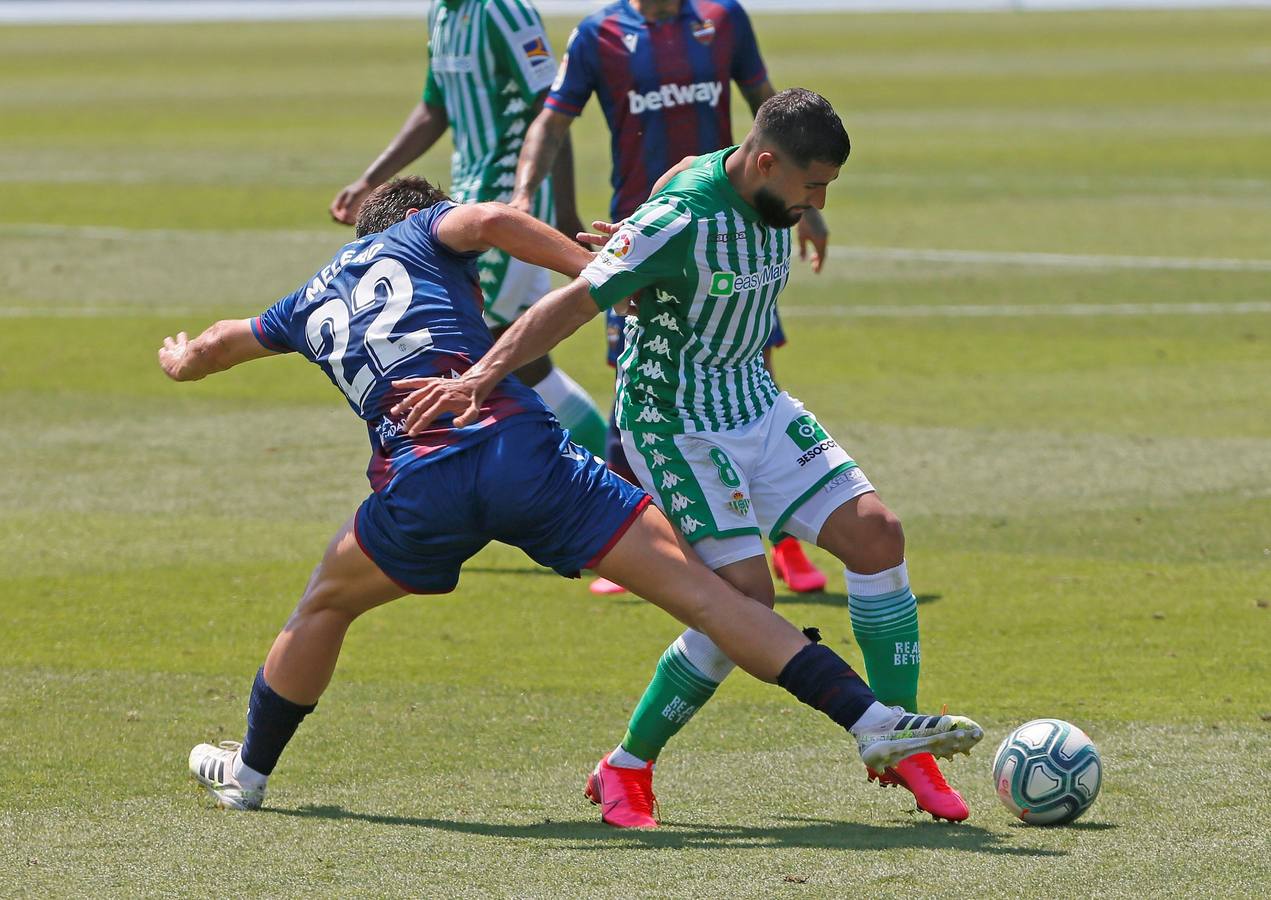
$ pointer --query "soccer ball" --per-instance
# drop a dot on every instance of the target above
(1047, 772)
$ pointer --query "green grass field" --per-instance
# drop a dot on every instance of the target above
(1079, 444)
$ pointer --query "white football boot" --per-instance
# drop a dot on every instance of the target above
(213, 767)
(908, 734)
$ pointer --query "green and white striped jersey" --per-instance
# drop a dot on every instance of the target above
(709, 272)
(487, 62)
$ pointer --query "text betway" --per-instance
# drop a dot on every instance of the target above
(670, 95)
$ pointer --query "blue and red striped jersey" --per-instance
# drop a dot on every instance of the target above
(664, 86)
(397, 304)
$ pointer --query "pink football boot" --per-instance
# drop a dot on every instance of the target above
(625, 796)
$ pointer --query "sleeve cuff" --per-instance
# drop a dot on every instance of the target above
(258, 332)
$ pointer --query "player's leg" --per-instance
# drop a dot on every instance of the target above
(297, 670)
(693, 666)
(870, 542)
(511, 287)
(655, 562)
(844, 515)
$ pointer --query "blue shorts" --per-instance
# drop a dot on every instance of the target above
(615, 340)
(528, 486)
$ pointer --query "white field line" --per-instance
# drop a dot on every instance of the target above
(949, 311)
(1063, 260)
(901, 254)
(1013, 311)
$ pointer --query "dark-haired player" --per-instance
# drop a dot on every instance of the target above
(726, 455)
(662, 72)
(489, 67)
(403, 300)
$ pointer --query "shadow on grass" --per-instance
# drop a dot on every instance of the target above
(818, 599)
(509, 570)
(1071, 826)
(794, 832)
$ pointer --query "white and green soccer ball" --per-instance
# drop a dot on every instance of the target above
(1047, 772)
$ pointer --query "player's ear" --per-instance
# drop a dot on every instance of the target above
(410, 212)
(765, 160)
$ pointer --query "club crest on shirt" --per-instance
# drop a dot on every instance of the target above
(704, 31)
(630, 40)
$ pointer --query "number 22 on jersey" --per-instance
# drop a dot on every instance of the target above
(387, 279)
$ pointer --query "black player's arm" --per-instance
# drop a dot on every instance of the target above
(422, 128)
(671, 173)
(548, 322)
(221, 346)
(546, 141)
(476, 227)
(756, 94)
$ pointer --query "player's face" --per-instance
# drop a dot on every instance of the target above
(790, 190)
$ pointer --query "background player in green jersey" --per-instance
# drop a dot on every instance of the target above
(489, 67)
(727, 456)
(634, 49)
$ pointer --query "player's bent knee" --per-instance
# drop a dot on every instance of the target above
(865, 535)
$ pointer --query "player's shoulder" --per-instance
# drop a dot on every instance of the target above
(665, 215)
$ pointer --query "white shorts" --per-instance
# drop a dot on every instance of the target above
(781, 474)
(509, 285)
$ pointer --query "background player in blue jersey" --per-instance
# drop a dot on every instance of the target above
(403, 300)
(662, 71)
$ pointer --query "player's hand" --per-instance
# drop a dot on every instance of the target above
(172, 355)
(521, 203)
(429, 398)
(346, 204)
(603, 232)
(812, 230)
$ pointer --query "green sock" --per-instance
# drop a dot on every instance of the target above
(885, 621)
(676, 692)
(576, 411)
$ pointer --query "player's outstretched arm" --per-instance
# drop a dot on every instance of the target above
(476, 227)
(548, 322)
(221, 346)
(422, 128)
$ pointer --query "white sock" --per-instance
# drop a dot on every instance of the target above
(621, 759)
(885, 582)
(708, 659)
(245, 775)
(565, 396)
(876, 718)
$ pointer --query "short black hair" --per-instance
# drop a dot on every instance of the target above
(805, 126)
(388, 204)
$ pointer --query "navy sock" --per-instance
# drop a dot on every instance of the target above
(271, 721)
(818, 676)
